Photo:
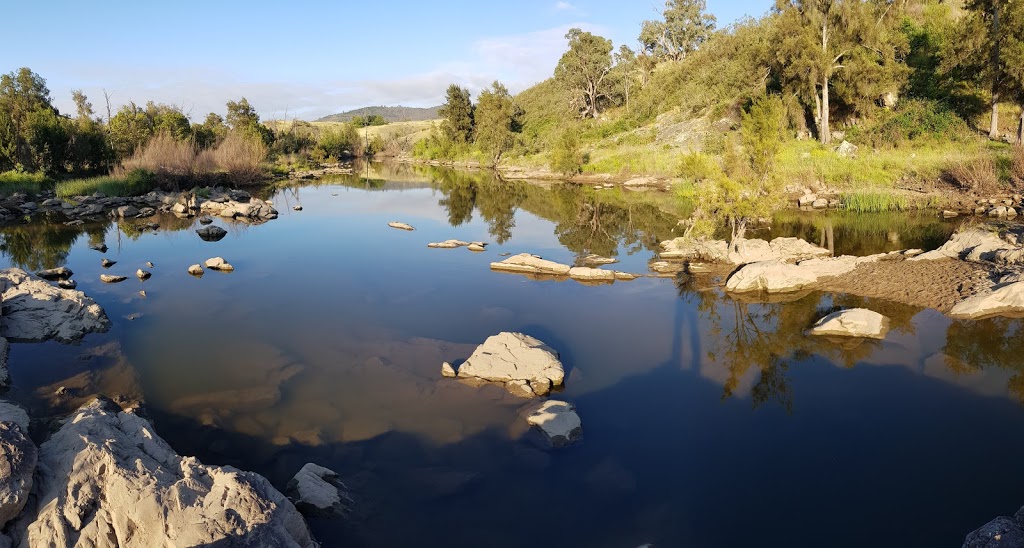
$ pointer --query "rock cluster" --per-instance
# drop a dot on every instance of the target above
(526, 263)
(524, 365)
(743, 252)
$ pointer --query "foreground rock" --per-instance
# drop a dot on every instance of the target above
(743, 252)
(526, 366)
(218, 263)
(211, 233)
(853, 322)
(318, 491)
(1002, 532)
(34, 310)
(109, 480)
(531, 264)
(1007, 299)
(18, 456)
(400, 226)
(770, 277)
(558, 421)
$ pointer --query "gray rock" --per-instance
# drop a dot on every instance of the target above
(807, 200)
(558, 421)
(107, 263)
(448, 244)
(127, 211)
(318, 491)
(67, 284)
(853, 322)
(509, 357)
(112, 279)
(205, 220)
(142, 274)
(18, 458)
(35, 310)
(109, 480)
(102, 248)
(1002, 532)
(297, 208)
(846, 149)
(212, 233)
(195, 270)
(60, 273)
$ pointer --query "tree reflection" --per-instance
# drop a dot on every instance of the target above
(38, 245)
(975, 345)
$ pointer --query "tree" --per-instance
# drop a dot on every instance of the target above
(458, 115)
(23, 96)
(212, 131)
(241, 116)
(584, 70)
(497, 121)
(129, 129)
(819, 38)
(629, 67)
(88, 149)
(685, 25)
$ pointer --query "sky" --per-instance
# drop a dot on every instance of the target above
(306, 58)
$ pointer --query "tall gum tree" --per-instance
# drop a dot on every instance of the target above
(684, 26)
(586, 70)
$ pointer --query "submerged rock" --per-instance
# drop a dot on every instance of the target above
(508, 357)
(591, 274)
(318, 491)
(36, 311)
(400, 226)
(212, 233)
(853, 322)
(531, 264)
(558, 421)
(109, 480)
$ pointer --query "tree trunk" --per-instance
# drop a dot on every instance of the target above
(826, 132)
(1020, 127)
(993, 130)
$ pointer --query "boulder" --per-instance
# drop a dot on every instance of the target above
(318, 491)
(807, 200)
(36, 311)
(558, 421)
(846, 149)
(447, 370)
(1002, 532)
(107, 263)
(218, 263)
(297, 208)
(853, 322)
(195, 270)
(112, 279)
(507, 357)
(771, 277)
(60, 273)
(212, 233)
(1007, 299)
(596, 260)
(18, 458)
(743, 251)
(400, 226)
(102, 248)
(475, 246)
(109, 480)
(143, 274)
(205, 220)
(126, 211)
(531, 264)
(591, 274)
(715, 251)
(67, 284)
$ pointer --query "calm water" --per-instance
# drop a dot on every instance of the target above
(707, 421)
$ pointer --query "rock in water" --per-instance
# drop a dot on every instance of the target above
(508, 357)
(476, 246)
(400, 226)
(531, 264)
(854, 322)
(447, 370)
(317, 491)
(195, 270)
(558, 421)
(102, 248)
(297, 207)
(36, 311)
(212, 233)
(448, 244)
(112, 279)
(218, 263)
(110, 480)
(67, 284)
(142, 274)
(1002, 532)
(61, 273)
(107, 263)
(771, 277)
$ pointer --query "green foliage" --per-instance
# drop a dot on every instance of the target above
(241, 116)
(566, 156)
(370, 120)
(912, 121)
(684, 26)
(497, 121)
(134, 183)
(458, 115)
(874, 201)
(20, 181)
(211, 132)
(586, 71)
(337, 143)
(762, 133)
(696, 167)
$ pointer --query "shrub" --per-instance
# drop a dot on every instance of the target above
(914, 120)
(339, 143)
(566, 156)
(20, 181)
(241, 156)
(977, 174)
(163, 155)
(696, 167)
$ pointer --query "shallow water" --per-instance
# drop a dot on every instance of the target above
(707, 421)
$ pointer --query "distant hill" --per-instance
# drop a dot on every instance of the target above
(391, 114)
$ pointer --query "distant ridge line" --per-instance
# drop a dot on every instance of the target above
(390, 114)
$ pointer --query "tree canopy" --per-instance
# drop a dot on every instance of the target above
(684, 26)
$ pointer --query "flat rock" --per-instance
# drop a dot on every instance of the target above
(318, 491)
(218, 263)
(112, 279)
(509, 357)
(853, 322)
(531, 264)
(109, 480)
(400, 226)
(476, 247)
(34, 310)
(1006, 300)
(558, 421)
(447, 370)
(592, 274)
(448, 244)
(211, 233)
(771, 277)
(741, 252)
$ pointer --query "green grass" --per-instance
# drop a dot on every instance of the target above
(134, 183)
(19, 181)
(874, 201)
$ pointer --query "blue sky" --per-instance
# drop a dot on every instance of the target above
(306, 57)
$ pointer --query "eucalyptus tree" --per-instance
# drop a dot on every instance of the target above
(684, 26)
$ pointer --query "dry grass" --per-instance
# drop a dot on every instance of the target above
(239, 156)
(163, 156)
(974, 174)
(1017, 165)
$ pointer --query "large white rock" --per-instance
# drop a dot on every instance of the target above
(558, 421)
(744, 251)
(34, 310)
(1005, 300)
(448, 244)
(976, 244)
(770, 277)
(218, 263)
(318, 491)
(853, 322)
(508, 357)
(108, 480)
(587, 273)
(530, 264)
(715, 251)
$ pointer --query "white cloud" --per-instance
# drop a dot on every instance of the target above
(564, 6)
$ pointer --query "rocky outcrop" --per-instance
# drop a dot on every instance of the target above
(18, 456)
(558, 421)
(1002, 532)
(531, 264)
(318, 491)
(770, 277)
(742, 252)
(524, 364)
(853, 322)
(109, 480)
(977, 245)
(34, 310)
(1006, 299)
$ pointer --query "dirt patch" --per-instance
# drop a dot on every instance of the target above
(938, 284)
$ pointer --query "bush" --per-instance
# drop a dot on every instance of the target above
(163, 156)
(240, 155)
(696, 167)
(335, 144)
(566, 156)
(914, 120)
(20, 181)
(977, 174)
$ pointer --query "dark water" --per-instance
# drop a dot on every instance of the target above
(707, 421)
